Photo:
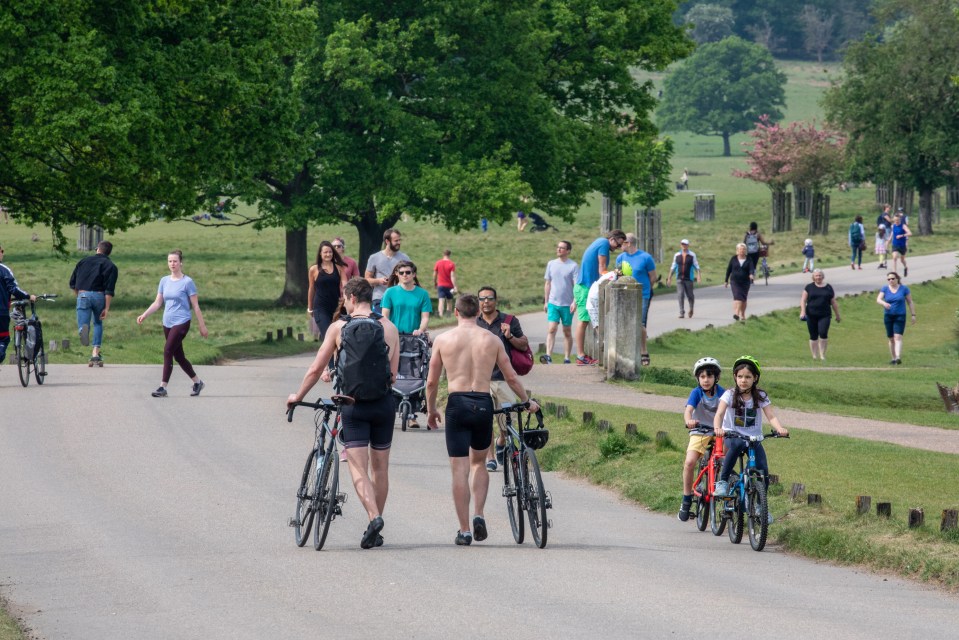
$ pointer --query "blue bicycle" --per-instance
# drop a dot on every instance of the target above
(746, 501)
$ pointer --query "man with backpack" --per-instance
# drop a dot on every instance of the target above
(754, 242)
(367, 359)
(857, 242)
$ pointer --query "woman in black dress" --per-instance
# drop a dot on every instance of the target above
(814, 308)
(327, 279)
(739, 274)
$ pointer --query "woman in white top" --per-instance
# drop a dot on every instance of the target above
(177, 293)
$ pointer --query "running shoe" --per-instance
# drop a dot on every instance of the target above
(479, 528)
(464, 539)
(544, 359)
(491, 465)
(368, 540)
(722, 488)
(197, 388)
(585, 361)
(159, 393)
(566, 361)
(684, 509)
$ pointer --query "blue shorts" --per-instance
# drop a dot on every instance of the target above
(444, 292)
(895, 324)
(556, 313)
(645, 309)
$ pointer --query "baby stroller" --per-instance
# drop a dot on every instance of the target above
(410, 385)
(539, 223)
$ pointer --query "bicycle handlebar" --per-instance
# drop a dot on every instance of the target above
(701, 428)
(43, 296)
(518, 408)
(320, 405)
(738, 436)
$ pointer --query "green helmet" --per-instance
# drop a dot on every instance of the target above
(753, 362)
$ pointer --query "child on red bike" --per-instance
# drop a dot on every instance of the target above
(700, 410)
(739, 412)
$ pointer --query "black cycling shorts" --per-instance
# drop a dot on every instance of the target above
(469, 423)
(369, 423)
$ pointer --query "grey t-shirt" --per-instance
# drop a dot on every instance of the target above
(562, 276)
(382, 267)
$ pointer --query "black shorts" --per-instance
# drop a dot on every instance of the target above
(369, 423)
(469, 423)
(445, 293)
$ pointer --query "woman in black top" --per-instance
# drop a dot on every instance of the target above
(814, 308)
(327, 278)
(740, 274)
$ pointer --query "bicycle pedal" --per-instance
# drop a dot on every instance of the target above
(301, 494)
(340, 498)
(292, 522)
(549, 500)
(509, 492)
(549, 523)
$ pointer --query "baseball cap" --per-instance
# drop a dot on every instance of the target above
(899, 209)
(684, 241)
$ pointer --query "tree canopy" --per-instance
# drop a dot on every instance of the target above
(897, 102)
(722, 89)
(710, 22)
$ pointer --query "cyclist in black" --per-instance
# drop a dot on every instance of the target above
(8, 289)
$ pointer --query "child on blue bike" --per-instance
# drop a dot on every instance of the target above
(741, 411)
(700, 410)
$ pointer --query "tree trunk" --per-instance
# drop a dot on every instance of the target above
(925, 211)
(297, 279)
(782, 211)
(371, 234)
(726, 152)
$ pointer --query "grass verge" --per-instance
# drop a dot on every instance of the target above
(837, 468)
(9, 629)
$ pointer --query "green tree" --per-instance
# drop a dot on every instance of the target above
(710, 22)
(897, 103)
(114, 112)
(723, 89)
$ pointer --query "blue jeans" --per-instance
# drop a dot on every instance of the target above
(90, 305)
(857, 254)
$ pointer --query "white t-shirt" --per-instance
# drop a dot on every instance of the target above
(747, 421)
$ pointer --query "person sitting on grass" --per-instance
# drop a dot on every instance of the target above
(699, 415)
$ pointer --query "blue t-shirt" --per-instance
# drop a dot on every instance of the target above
(897, 300)
(704, 407)
(589, 267)
(406, 306)
(642, 263)
(176, 299)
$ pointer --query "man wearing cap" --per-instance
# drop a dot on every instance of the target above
(686, 267)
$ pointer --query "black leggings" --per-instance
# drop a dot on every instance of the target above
(818, 326)
(173, 350)
(469, 423)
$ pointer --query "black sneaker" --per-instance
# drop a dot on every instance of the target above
(159, 393)
(197, 388)
(379, 541)
(464, 539)
(479, 528)
(545, 360)
(372, 531)
(684, 510)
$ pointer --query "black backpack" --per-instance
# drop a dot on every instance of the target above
(363, 361)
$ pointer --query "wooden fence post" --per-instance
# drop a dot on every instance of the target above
(884, 509)
(562, 411)
(773, 478)
(814, 498)
(950, 519)
(631, 429)
(588, 418)
(603, 426)
(916, 518)
(65, 344)
(797, 490)
(863, 504)
(269, 336)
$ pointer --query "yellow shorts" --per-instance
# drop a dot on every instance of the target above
(698, 443)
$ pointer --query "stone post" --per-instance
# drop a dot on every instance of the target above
(623, 330)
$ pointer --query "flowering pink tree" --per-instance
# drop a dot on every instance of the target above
(769, 164)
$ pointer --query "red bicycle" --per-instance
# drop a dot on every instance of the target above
(705, 483)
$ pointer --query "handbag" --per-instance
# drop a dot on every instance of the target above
(522, 361)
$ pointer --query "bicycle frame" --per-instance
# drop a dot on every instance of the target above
(704, 484)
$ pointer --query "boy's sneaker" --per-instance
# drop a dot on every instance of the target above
(722, 488)
(491, 465)
(464, 539)
(159, 393)
(585, 361)
(684, 509)
(85, 335)
(544, 359)
(197, 388)
(565, 360)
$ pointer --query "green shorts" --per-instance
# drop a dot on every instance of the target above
(556, 313)
(580, 293)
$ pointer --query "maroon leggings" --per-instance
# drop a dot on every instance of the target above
(173, 350)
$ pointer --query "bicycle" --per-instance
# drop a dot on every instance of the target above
(747, 496)
(764, 269)
(704, 484)
(28, 340)
(317, 494)
(522, 480)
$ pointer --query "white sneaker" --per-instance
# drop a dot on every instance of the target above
(722, 488)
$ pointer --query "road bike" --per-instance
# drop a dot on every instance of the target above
(522, 480)
(746, 501)
(317, 496)
(764, 269)
(704, 485)
(28, 340)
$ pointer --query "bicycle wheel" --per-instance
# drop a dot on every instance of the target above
(719, 520)
(766, 271)
(758, 514)
(511, 490)
(326, 497)
(23, 364)
(404, 410)
(303, 519)
(737, 522)
(39, 364)
(702, 503)
(536, 501)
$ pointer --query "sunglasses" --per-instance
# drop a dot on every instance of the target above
(404, 273)
(486, 298)
(337, 246)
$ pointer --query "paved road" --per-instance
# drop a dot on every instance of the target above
(125, 516)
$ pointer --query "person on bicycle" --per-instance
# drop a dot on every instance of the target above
(700, 410)
(741, 411)
(8, 289)
(468, 353)
(368, 422)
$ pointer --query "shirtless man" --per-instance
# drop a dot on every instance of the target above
(468, 353)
